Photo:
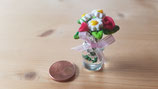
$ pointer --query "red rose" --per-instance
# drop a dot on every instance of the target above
(84, 27)
(108, 23)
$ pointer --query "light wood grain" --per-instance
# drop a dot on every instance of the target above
(36, 33)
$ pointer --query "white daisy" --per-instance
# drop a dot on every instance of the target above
(85, 18)
(98, 13)
(95, 24)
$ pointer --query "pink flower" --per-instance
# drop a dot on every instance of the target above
(84, 27)
(108, 23)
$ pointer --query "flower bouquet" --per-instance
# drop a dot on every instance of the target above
(93, 26)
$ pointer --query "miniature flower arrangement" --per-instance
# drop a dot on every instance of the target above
(93, 26)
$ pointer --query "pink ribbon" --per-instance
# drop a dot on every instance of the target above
(91, 43)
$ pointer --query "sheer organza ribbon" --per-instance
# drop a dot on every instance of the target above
(91, 43)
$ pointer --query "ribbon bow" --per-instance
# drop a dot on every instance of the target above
(91, 43)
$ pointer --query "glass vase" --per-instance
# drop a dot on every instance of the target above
(93, 59)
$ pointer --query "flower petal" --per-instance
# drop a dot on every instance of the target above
(84, 27)
(108, 23)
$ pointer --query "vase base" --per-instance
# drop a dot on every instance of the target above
(93, 67)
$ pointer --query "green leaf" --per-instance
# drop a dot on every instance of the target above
(108, 31)
(76, 36)
(97, 34)
(78, 21)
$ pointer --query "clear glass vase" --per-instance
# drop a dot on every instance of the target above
(93, 59)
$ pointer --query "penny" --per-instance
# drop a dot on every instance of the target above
(62, 71)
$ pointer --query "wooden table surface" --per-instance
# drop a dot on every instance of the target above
(36, 33)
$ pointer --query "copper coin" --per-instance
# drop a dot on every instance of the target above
(62, 71)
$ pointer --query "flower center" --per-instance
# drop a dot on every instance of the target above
(94, 22)
(101, 11)
(83, 15)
